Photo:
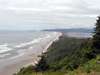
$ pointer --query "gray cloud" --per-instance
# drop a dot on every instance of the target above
(48, 13)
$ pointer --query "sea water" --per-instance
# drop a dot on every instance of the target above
(14, 43)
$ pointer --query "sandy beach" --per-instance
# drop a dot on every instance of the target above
(28, 57)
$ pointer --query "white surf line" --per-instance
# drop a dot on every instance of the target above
(46, 48)
(51, 42)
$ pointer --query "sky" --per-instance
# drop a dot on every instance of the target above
(47, 14)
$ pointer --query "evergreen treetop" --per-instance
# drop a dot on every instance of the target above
(96, 37)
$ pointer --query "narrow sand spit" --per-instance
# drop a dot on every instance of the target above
(13, 65)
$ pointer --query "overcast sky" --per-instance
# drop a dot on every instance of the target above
(40, 14)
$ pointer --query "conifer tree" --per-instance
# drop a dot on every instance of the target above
(96, 37)
(42, 64)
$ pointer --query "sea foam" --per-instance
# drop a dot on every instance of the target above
(4, 48)
(32, 42)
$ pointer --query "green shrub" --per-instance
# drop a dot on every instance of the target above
(25, 70)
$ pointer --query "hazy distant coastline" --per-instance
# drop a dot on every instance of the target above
(74, 32)
(81, 30)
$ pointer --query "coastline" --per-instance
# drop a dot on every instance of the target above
(29, 59)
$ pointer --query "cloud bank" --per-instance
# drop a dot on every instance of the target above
(37, 14)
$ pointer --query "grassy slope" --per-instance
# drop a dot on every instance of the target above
(91, 67)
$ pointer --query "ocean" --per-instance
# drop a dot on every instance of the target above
(21, 48)
(14, 43)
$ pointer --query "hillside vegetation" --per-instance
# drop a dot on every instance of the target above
(66, 56)
(63, 54)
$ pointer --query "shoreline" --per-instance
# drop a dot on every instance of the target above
(30, 59)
